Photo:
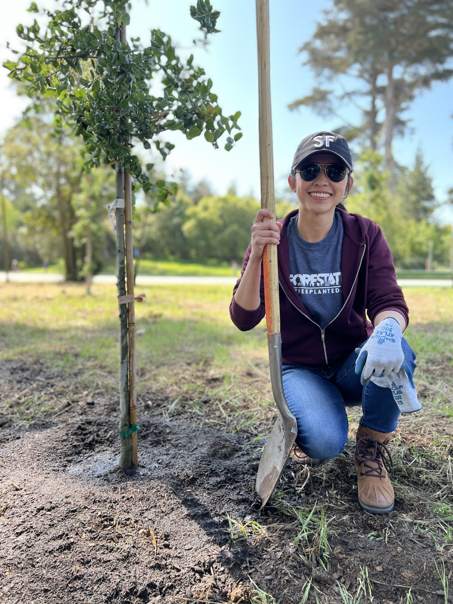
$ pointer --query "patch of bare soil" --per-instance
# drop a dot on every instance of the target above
(186, 527)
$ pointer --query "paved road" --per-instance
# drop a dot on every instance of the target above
(141, 280)
(23, 277)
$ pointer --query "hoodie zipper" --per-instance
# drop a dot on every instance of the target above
(323, 330)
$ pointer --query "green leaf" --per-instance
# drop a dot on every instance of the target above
(10, 65)
(107, 91)
(206, 16)
(194, 131)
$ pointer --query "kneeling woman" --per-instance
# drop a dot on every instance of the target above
(336, 274)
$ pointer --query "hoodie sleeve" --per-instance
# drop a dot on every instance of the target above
(242, 318)
(383, 291)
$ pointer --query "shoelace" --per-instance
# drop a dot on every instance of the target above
(369, 450)
(299, 454)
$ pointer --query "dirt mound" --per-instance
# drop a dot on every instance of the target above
(186, 528)
(82, 532)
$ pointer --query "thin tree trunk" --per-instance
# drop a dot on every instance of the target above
(88, 261)
(125, 427)
(429, 258)
(71, 220)
(62, 220)
(69, 255)
(374, 126)
(6, 249)
(130, 280)
(451, 255)
(389, 124)
(125, 284)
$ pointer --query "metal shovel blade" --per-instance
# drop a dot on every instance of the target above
(273, 458)
(284, 432)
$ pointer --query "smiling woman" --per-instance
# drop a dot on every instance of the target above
(321, 183)
(342, 317)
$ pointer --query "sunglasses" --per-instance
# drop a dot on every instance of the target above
(334, 172)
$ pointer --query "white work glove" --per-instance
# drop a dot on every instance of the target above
(402, 389)
(382, 354)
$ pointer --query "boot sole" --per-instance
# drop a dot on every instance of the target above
(372, 510)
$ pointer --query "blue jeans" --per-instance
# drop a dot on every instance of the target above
(318, 397)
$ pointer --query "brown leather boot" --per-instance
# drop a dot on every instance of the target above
(301, 457)
(372, 460)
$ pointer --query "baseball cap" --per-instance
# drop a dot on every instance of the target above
(326, 142)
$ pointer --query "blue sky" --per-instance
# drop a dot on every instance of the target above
(230, 61)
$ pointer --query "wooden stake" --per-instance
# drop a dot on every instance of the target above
(125, 286)
(131, 317)
(125, 427)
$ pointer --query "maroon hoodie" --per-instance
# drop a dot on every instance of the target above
(369, 287)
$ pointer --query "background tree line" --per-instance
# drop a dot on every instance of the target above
(54, 211)
(374, 56)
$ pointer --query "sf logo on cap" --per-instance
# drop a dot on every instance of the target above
(324, 141)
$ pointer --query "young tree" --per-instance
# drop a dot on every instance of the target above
(415, 241)
(91, 231)
(115, 94)
(218, 228)
(416, 190)
(45, 170)
(160, 234)
(372, 198)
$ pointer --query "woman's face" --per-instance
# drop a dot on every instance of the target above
(322, 195)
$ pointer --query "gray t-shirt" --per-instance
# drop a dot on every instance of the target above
(315, 270)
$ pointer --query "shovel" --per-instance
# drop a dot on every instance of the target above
(284, 432)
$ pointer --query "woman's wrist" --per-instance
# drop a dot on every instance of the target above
(391, 314)
(255, 259)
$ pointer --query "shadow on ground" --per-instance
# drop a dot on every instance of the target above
(185, 528)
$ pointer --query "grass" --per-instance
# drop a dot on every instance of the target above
(183, 329)
(191, 355)
(188, 322)
(259, 596)
(422, 274)
(159, 267)
(180, 331)
(166, 267)
(313, 534)
(244, 529)
(363, 593)
(178, 268)
(443, 575)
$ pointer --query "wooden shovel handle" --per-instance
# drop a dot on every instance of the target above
(271, 299)
(270, 266)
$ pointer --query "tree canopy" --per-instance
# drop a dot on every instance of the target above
(115, 94)
(379, 55)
